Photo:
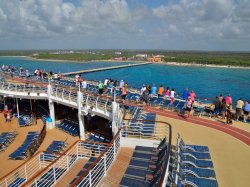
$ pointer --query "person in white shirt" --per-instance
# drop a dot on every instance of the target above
(121, 84)
(84, 84)
(105, 83)
(172, 93)
(143, 88)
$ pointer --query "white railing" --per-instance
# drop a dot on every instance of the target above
(60, 94)
(23, 172)
(98, 169)
(141, 130)
(46, 169)
(23, 87)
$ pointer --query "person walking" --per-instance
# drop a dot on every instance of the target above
(239, 107)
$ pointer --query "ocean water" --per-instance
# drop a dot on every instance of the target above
(53, 66)
(206, 82)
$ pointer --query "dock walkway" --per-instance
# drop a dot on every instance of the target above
(106, 68)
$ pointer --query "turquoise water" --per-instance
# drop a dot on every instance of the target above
(56, 66)
(206, 82)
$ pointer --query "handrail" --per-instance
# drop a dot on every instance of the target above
(40, 139)
(96, 161)
(26, 161)
(169, 145)
(54, 161)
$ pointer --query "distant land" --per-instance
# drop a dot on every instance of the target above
(191, 57)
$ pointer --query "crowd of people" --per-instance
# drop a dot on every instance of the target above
(8, 109)
(224, 106)
(221, 106)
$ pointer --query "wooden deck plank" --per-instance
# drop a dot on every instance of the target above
(118, 168)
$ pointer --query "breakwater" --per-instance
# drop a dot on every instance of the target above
(105, 68)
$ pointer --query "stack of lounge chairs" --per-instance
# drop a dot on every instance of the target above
(144, 127)
(53, 150)
(146, 166)
(24, 150)
(96, 137)
(193, 166)
(6, 138)
(25, 120)
(69, 127)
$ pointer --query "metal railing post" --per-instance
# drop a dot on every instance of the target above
(90, 178)
(35, 182)
(39, 160)
(63, 94)
(67, 159)
(114, 149)
(54, 173)
(96, 102)
(25, 172)
(56, 92)
(87, 100)
(6, 182)
(69, 96)
(77, 156)
(105, 108)
(105, 165)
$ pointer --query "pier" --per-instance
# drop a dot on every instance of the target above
(106, 68)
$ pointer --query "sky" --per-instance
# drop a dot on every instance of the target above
(214, 25)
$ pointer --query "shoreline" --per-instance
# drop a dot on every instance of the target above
(185, 64)
(181, 64)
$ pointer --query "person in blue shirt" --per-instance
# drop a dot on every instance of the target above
(246, 110)
(154, 90)
(185, 94)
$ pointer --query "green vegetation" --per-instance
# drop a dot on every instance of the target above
(75, 56)
(15, 53)
(217, 58)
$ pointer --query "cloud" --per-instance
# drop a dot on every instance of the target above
(49, 18)
(116, 23)
(214, 19)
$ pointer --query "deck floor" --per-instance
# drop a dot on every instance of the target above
(229, 155)
(7, 165)
(72, 173)
(118, 168)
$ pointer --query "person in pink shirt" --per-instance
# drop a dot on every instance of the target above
(228, 99)
(192, 95)
(167, 93)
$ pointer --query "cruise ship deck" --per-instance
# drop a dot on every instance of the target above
(228, 145)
